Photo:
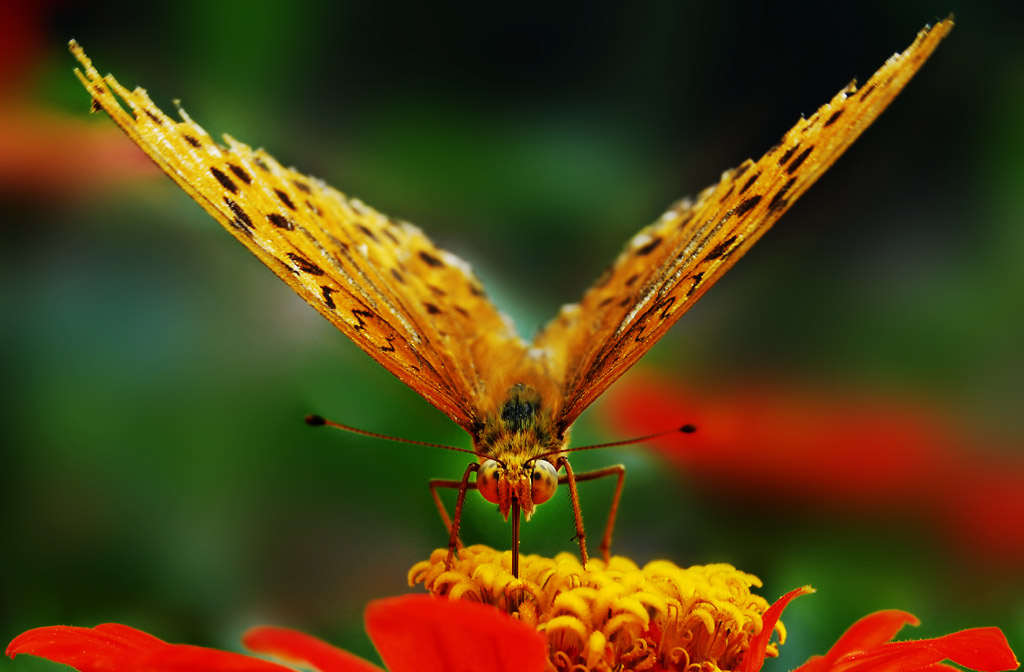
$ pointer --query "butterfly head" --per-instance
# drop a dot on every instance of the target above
(529, 484)
(511, 445)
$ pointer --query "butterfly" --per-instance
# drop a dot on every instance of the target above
(422, 314)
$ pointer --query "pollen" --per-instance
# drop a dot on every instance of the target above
(614, 615)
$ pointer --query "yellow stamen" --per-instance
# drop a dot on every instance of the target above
(615, 615)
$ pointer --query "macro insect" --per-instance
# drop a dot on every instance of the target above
(421, 313)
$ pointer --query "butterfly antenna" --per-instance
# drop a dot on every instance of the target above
(685, 429)
(320, 421)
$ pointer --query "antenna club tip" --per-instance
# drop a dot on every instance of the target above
(315, 420)
(688, 428)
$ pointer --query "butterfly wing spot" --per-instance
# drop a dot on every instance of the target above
(240, 173)
(867, 91)
(285, 199)
(304, 265)
(367, 232)
(750, 182)
(646, 249)
(280, 221)
(722, 249)
(696, 278)
(666, 306)
(834, 118)
(747, 205)
(326, 292)
(360, 325)
(801, 157)
(779, 201)
(224, 180)
(788, 154)
(241, 218)
(430, 260)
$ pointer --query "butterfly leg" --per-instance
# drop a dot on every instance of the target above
(570, 478)
(614, 470)
(463, 485)
(436, 483)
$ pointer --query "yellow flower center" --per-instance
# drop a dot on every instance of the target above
(612, 616)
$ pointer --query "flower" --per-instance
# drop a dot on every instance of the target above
(44, 151)
(843, 451)
(612, 616)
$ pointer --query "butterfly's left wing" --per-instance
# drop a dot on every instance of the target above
(416, 309)
(668, 265)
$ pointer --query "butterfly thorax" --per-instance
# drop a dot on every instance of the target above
(514, 436)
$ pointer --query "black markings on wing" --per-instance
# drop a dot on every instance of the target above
(280, 221)
(326, 292)
(301, 264)
(430, 260)
(671, 263)
(793, 165)
(646, 249)
(240, 173)
(413, 307)
(285, 199)
(747, 205)
(224, 180)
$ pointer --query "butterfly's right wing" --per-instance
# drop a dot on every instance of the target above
(415, 308)
(670, 264)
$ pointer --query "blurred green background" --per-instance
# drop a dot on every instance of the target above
(156, 468)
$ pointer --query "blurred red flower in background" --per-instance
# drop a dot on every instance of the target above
(835, 450)
(44, 151)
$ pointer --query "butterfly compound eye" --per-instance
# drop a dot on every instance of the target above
(545, 481)
(487, 480)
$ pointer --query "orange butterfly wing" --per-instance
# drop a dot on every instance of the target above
(420, 312)
(668, 265)
(416, 309)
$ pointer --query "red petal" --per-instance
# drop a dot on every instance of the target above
(869, 632)
(101, 648)
(753, 659)
(112, 647)
(305, 650)
(419, 633)
(984, 649)
(186, 658)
